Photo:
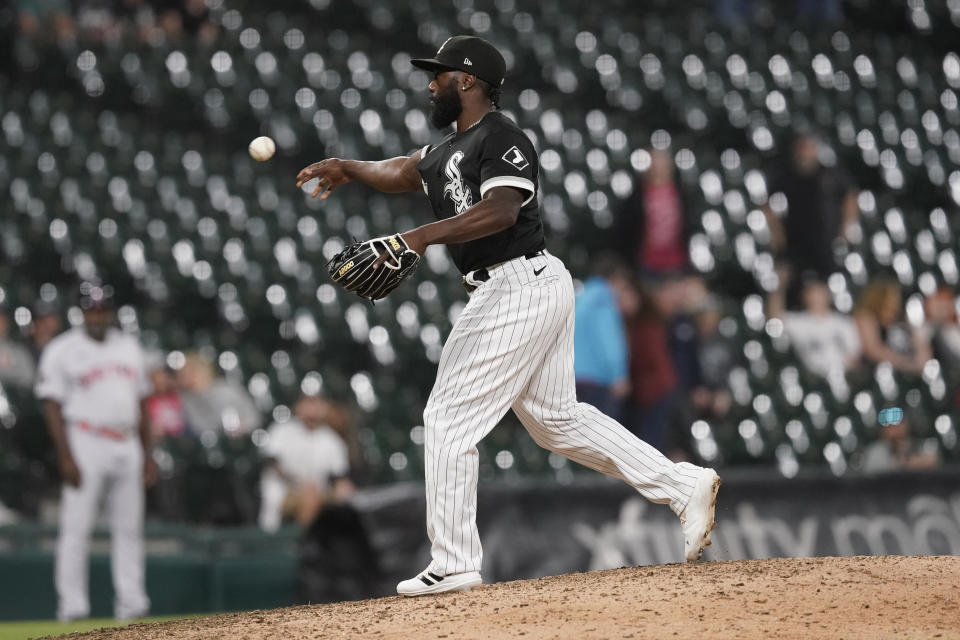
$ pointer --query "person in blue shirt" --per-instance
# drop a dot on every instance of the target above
(600, 348)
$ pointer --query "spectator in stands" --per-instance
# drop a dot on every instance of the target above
(650, 228)
(716, 358)
(109, 20)
(815, 12)
(897, 451)
(679, 301)
(137, 18)
(164, 406)
(17, 366)
(733, 12)
(941, 312)
(600, 348)
(653, 377)
(884, 335)
(307, 480)
(46, 20)
(307, 466)
(809, 209)
(811, 12)
(214, 404)
(186, 18)
(825, 341)
(342, 420)
(44, 327)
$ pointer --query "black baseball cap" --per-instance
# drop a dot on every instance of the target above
(470, 54)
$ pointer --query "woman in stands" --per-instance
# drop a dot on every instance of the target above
(884, 334)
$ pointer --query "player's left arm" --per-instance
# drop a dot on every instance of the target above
(144, 428)
(146, 441)
(498, 210)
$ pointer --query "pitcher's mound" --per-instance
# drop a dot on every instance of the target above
(860, 597)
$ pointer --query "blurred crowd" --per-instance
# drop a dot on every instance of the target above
(652, 346)
(67, 22)
(121, 419)
(306, 455)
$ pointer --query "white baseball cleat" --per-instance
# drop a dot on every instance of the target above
(427, 582)
(697, 519)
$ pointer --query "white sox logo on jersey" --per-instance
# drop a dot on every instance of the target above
(458, 192)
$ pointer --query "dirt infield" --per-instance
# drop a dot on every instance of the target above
(861, 597)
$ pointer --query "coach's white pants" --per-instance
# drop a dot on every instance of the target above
(113, 469)
(512, 347)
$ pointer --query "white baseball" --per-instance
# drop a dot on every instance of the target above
(262, 148)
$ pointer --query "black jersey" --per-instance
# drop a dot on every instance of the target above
(461, 168)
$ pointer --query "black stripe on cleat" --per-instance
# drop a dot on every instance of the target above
(435, 576)
(425, 580)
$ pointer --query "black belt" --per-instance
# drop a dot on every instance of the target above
(482, 275)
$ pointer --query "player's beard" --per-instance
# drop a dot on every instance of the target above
(97, 323)
(447, 106)
(97, 332)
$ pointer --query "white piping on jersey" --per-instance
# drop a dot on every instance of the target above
(509, 181)
(423, 154)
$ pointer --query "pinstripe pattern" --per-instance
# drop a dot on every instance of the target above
(512, 347)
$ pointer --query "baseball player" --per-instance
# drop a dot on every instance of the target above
(93, 382)
(512, 345)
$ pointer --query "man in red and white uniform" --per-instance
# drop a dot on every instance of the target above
(93, 382)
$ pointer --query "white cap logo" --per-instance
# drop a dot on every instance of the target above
(467, 61)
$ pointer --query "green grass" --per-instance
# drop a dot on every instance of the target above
(22, 629)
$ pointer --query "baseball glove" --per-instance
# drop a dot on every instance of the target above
(359, 267)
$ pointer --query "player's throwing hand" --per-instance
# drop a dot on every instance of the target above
(69, 471)
(331, 175)
(150, 471)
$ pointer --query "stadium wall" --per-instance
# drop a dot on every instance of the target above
(529, 529)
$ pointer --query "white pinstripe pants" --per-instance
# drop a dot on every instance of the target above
(512, 347)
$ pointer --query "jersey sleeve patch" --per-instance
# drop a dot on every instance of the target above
(516, 159)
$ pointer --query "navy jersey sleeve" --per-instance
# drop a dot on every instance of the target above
(508, 159)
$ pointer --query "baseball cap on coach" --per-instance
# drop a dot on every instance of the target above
(470, 54)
